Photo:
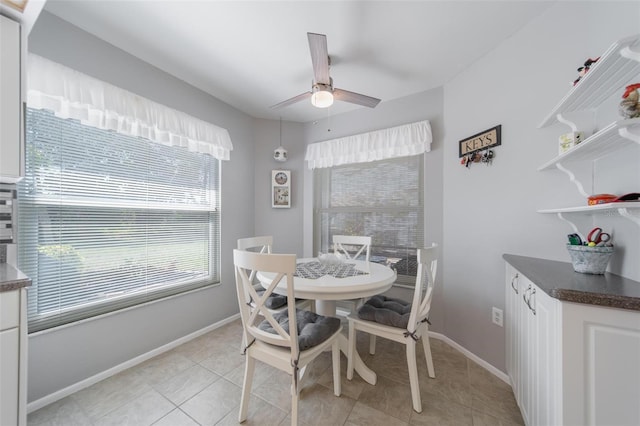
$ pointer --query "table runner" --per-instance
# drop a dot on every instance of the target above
(315, 269)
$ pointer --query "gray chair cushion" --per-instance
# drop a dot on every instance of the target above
(274, 301)
(386, 310)
(313, 329)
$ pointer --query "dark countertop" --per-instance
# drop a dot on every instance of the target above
(11, 278)
(560, 281)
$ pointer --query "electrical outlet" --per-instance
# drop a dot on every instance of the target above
(496, 316)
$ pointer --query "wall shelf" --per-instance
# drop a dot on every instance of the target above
(619, 64)
(615, 136)
(598, 208)
(624, 209)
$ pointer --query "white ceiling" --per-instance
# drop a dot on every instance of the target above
(253, 54)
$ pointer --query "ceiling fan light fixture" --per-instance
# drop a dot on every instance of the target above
(322, 96)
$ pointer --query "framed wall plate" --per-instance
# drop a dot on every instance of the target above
(281, 189)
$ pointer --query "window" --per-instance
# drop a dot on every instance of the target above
(382, 199)
(107, 221)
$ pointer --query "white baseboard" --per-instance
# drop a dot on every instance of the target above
(53, 397)
(490, 368)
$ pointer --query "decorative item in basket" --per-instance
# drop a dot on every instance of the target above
(591, 256)
(596, 237)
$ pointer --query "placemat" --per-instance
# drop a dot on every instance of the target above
(313, 270)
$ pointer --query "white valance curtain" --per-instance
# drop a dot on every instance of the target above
(71, 94)
(400, 141)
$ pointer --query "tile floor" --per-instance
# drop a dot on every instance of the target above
(199, 383)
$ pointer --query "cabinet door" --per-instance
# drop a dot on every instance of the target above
(512, 325)
(10, 102)
(601, 371)
(533, 349)
(9, 309)
(527, 356)
(545, 347)
(9, 344)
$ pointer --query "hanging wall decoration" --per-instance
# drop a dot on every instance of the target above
(477, 148)
(280, 189)
(280, 153)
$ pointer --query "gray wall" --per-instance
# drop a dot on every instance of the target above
(61, 357)
(284, 224)
(489, 211)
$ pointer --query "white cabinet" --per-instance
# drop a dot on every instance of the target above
(531, 325)
(601, 365)
(10, 101)
(13, 340)
(615, 69)
(570, 363)
(9, 343)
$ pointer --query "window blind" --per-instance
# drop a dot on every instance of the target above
(107, 221)
(382, 199)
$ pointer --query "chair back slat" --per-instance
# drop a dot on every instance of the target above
(252, 305)
(362, 245)
(262, 244)
(423, 291)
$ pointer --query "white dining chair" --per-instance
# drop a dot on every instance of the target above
(288, 340)
(352, 247)
(400, 321)
(276, 302)
(264, 244)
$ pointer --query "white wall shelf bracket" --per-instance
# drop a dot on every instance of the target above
(626, 52)
(573, 225)
(625, 133)
(624, 212)
(571, 124)
(573, 179)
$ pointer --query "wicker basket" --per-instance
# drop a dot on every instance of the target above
(590, 260)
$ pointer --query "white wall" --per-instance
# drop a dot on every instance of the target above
(61, 357)
(489, 211)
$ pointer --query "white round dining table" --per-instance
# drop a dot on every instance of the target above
(327, 289)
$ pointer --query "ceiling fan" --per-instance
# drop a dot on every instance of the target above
(322, 91)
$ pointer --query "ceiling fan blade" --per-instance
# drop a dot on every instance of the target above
(355, 98)
(293, 100)
(319, 57)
